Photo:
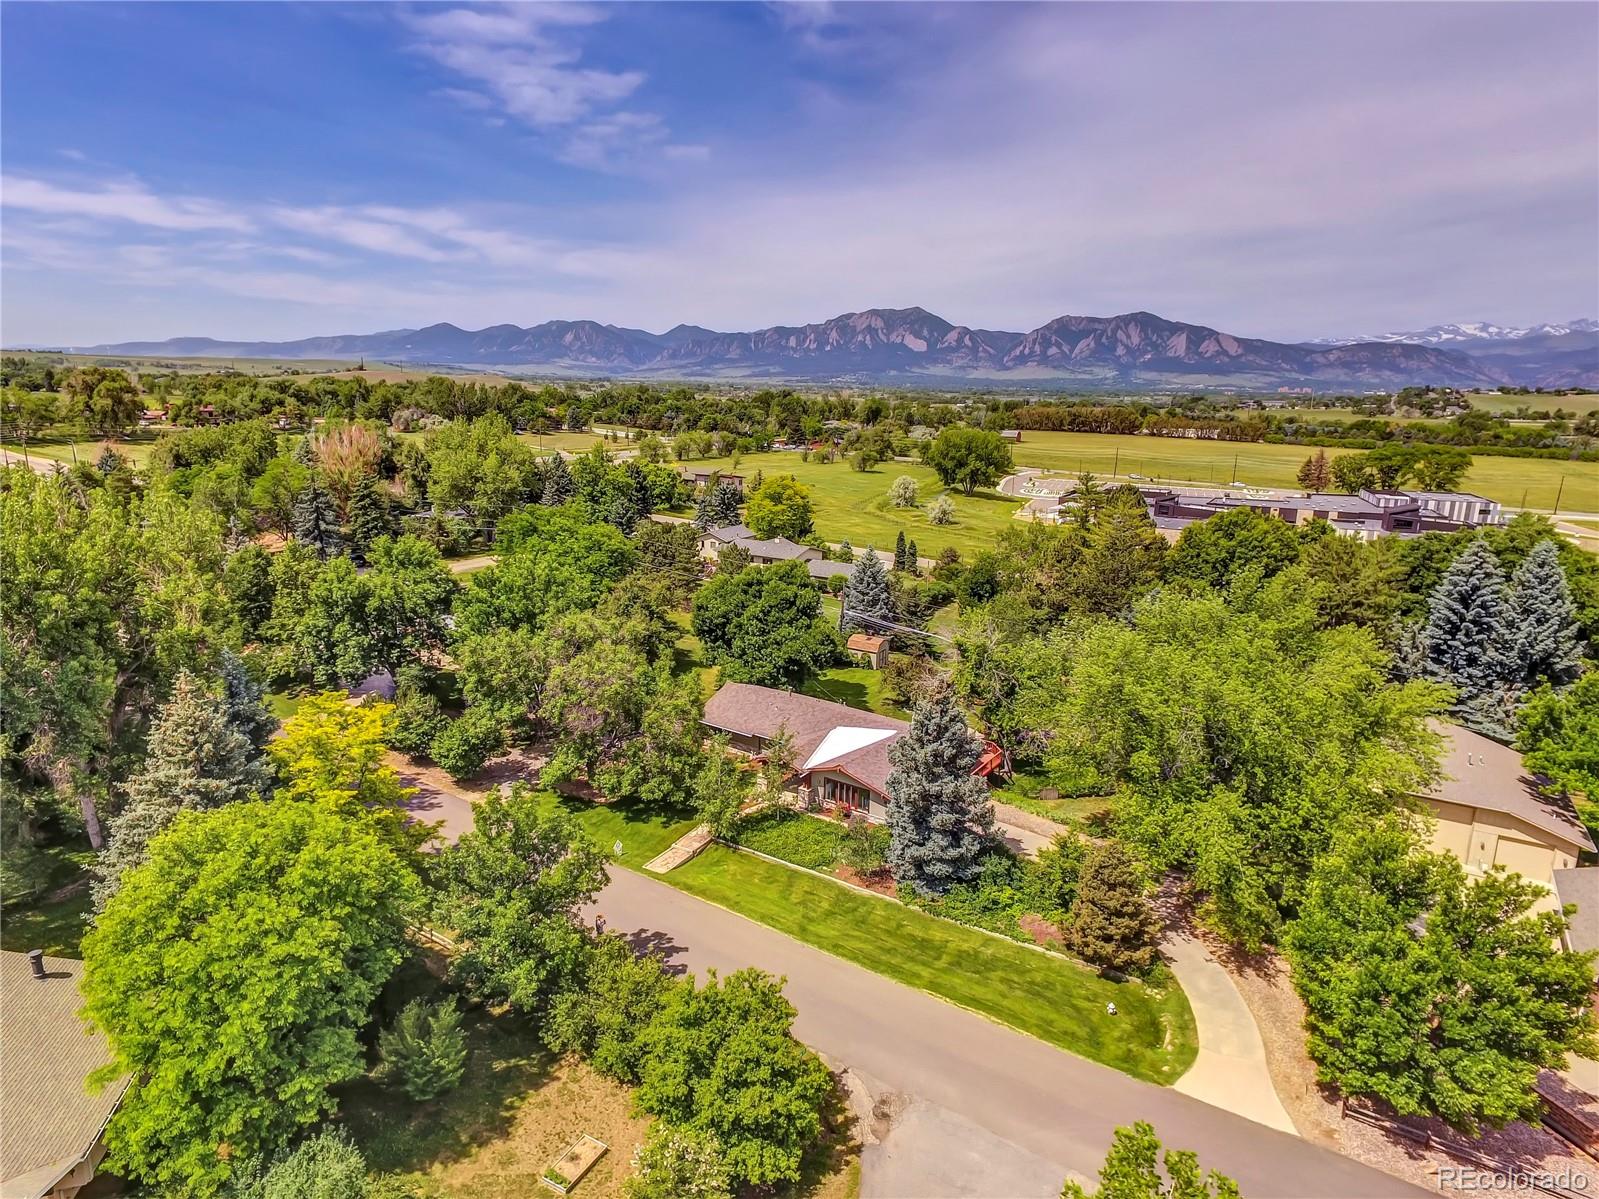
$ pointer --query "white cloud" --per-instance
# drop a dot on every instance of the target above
(130, 202)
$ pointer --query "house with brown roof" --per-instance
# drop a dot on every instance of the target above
(1492, 812)
(51, 1125)
(840, 753)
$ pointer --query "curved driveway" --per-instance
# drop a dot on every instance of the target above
(1046, 1102)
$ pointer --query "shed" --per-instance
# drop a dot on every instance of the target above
(868, 650)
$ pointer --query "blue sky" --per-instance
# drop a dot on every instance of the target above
(283, 170)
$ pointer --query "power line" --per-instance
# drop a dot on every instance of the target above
(879, 623)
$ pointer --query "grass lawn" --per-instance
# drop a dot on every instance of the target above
(1579, 404)
(857, 686)
(284, 704)
(56, 919)
(1530, 482)
(135, 447)
(852, 505)
(1075, 810)
(1043, 994)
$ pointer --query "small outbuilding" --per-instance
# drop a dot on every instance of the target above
(868, 650)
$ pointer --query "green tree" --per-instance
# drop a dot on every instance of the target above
(866, 592)
(764, 624)
(197, 760)
(968, 458)
(733, 559)
(112, 408)
(1122, 558)
(781, 508)
(558, 483)
(1054, 874)
(718, 507)
(900, 559)
(247, 578)
(275, 494)
(941, 511)
(1112, 924)
(1218, 550)
(316, 522)
(720, 791)
(26, 414)
(418, 716)
(865, 848)
(465, 744)
(670, 554)
(721, 1060)
(553, 560)
(1545, 617)
(231, 974)
(369, 516)
(902, 492)
(1132, 1171)
(245, 702)
(424, 1050)
(1356, 582)
(1440, 995)
(1470, 637)
(607, 1011)
(940, 819)
(679, 1163)
(1558, 731)
(510, 890)
(324, 1166)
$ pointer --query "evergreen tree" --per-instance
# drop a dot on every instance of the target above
(912, 557)
(718, 507)
(424, 1050)
(1316, 473)
(245, 702)
(303, 453)
(369, 516)
(197, 759)
(1470, 634)
(899, 551)
(845, 552)
(1112, 924)
(940, 819)
(1545, 618)
(867, 591)
(316, 524)
(559, 486)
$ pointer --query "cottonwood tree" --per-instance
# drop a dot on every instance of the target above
(1134, 1169)
(968, 458)
(1112, 924)
(1547, 645)
(606, 1012)
(1558, 731)
(721, 1059)
(1219, 550)
(232, 974)
(510, 890)
(1441, 995)
(866, 592)
(197, 759)
(940, 819)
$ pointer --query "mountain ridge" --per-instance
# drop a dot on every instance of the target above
(913, 343)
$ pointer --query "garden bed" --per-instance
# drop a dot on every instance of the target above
(566, 1171)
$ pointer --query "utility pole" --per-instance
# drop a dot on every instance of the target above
(1559, 491)
(1116, 462)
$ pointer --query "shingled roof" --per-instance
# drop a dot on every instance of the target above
(826, 735)
(1481, 773)
(49, 1121)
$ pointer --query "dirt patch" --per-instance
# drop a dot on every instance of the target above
(1041, 930)
(882, 882)
(518, 765)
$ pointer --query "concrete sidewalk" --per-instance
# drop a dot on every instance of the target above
(1230, 1071)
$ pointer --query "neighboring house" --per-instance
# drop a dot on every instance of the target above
(1491, 812)
(1580, 889)
(868, 650)
(152, 416)
(840, 753)
(699, 476)
(50, 1123)
(762, 552)
(821, 569)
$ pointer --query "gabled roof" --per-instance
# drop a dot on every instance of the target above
(865, 643)
(762, 711)
(729, 533)
(1480, 773)
(1581, 887)
(49, 1121)
(820, 568)
(780, 548)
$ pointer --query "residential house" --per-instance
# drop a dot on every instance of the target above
(1580, 889)
(868, 650)
(840, 753)
(821, 570)
(51, 1124)
(762, 551)
(701, 476)
(1492, 812)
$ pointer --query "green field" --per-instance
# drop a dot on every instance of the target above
(69, 449)
(1580, 404)
(853, 505)
(1045, 995)
(1529, 482)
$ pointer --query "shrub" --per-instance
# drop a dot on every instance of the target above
(865, 848)
(941, 511)
(902, 492)
(994, 900)
(325, 1166)
(425, 1049)
(678, 1163)
(794, 837)
(418, 718)
(467, 743)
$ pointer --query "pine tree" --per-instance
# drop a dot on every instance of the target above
(845, 552)
(425, 1049)
(1470, 635)
(718, 507)
(867, 591)
(1112, 924)
(559, 486)
(197, 759)
(940, 819)
(244, 700)
(1545, 618)
(913, 559)
(316, 524)
(303, 453)
(1316, 473)
(369, 516)
(899, 551)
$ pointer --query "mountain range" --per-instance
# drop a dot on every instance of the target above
(912, 345)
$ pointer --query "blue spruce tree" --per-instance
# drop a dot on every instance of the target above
(316, 523)
(940, 819)
(867, 593)
(1471, 641)
(1545, 618)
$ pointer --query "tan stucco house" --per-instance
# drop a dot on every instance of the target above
(1491, 812)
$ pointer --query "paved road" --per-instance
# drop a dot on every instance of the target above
(1046, 1102)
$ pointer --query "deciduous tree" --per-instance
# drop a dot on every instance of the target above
(1132, 1170)
(968, 458)
(764, 624)
(781, 508)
